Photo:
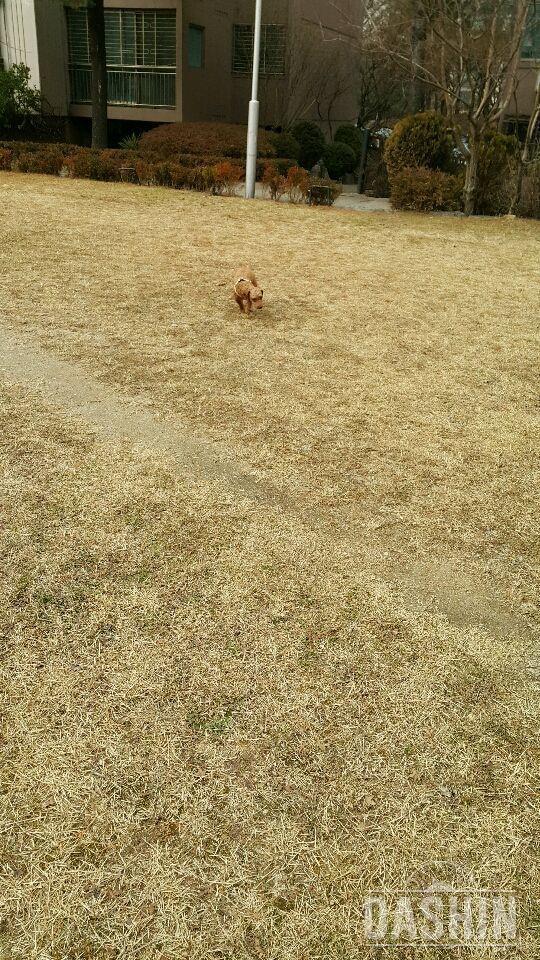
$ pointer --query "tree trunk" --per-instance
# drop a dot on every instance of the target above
(417, 92)
(471, 177)
(98, 62)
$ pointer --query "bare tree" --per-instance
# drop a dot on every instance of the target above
(315, 84)
(466, 51)
(381, 90)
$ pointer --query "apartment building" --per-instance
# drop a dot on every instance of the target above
(171, 60)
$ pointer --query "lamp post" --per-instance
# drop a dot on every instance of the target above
(253, 118)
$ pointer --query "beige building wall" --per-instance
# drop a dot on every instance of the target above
(215, 93)
(34, 32)
(52, 54)
(207, 91)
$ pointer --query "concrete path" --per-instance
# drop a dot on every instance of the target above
(350, 199)
(121, 419)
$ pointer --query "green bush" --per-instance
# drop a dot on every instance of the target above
(131, 142)
(422, 189)
(352, 137)
(285, 145)
(283, 165)
(422, 140)
(18, 100)
(339, 159)
(311, 140)
(497, 169)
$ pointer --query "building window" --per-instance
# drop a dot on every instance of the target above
(272, 49)
(196, 46)
(530, 49)
(141, 57)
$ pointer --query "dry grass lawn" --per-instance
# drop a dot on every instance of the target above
(226, 719)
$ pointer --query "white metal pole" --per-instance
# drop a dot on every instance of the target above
(253, 118)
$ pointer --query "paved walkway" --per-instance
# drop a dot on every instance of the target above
(350, 199)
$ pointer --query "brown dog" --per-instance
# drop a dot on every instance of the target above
(247, 291)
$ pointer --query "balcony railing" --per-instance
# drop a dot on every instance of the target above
(134, 88)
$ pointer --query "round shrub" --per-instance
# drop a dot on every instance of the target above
(169, 140)
(497, 163)
(285, 145)
(351, 136)
(311, 140)
(339, 159)
(422, 140)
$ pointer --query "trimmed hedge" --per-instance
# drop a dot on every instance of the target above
(49, 160)
(107, 164)
(16, 147)
(98, 164)
(227, 140)
(217, 175)
(421, 189)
